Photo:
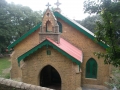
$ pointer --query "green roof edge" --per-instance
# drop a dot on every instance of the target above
(46, 42)
(24, 36)
(64, 19)
(57, 14)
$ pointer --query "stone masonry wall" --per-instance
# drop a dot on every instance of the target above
(33, 64)
(7, 84)
(88, 47)
(77, 39)
(25, 45)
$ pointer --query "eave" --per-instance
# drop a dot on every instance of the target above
(46, 43)
(75, 25)
(24, 36)
(80, 28)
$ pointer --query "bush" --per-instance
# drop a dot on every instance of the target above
(7, 76)
(115, 79)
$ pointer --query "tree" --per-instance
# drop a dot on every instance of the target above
(90, 22)
(108, 30)
(114, 79)
(15, 20)
(23, 19)
(5, 34)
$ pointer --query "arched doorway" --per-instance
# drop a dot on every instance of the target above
(49, 77)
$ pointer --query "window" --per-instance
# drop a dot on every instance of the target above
(48, 52)
(60, 26)
(48, 14)
(91, 68)
(48, 26)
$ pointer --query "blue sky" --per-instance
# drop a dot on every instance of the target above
(70, 8)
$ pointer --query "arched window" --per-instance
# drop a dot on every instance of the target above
(91, 68)
(60, 26)
(48, 26)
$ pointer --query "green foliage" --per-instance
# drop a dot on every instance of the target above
(7, 76)
(23, 19)
(4, 26)
(90, 22)
(15, 20)
(4, 64)
(108, 29)
(115, 79)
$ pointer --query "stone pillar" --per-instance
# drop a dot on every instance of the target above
(56, 29)
(78, 77)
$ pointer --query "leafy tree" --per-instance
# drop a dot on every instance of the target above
(23, 19)
(114, 79)
(5, 34)
(108, 30)
(90, 22)
(15, 20)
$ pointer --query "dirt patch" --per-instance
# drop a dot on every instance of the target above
(6, 71)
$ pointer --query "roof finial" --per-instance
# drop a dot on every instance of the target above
(57, 4)
(48, 5)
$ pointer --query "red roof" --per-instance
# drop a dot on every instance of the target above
(68, 48)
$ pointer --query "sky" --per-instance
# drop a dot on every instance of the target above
(73, 9)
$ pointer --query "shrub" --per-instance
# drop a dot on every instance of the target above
(115, 79)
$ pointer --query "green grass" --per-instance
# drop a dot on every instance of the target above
(4, 64)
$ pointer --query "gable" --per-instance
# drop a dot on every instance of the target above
(64, 48)
(74, 24)
(79, 27)
(48, 16)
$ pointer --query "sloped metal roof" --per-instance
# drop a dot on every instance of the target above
(63, 47)
(68, 48)
(80, 28)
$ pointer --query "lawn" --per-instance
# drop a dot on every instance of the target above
(4, 67)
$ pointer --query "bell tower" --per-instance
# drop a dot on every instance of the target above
(49, 27)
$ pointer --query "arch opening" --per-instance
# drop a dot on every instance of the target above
(48, 26)
(49, 77)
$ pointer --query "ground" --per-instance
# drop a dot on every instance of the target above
(84, 88)
(5, 65)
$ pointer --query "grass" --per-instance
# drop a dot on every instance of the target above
(4, 64)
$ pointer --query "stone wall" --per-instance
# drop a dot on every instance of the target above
(88, 47)
(25, 45)
(33, 65)
(7, 84)
(76, 38)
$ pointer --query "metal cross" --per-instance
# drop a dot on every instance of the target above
(48, 5)
(57, 4)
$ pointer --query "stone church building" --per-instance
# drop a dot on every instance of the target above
(59, 53)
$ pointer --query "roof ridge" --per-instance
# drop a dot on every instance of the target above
(80, 28)
(67, 20)
(48, 41)
(87, 30)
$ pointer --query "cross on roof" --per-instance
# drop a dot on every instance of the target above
(57, 3)
(48, 5)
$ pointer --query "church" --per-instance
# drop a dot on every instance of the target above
(58, 54)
